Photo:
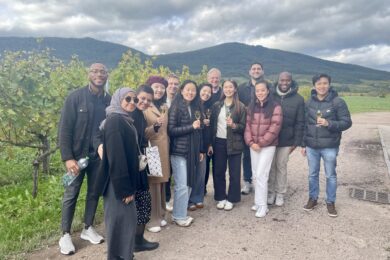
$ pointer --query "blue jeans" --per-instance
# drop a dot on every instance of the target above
(197, 193)
(181, 190)
(329, 156)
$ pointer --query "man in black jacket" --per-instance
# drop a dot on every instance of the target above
(245, 93)
(83, 111)
(290, 136)
(326, 117)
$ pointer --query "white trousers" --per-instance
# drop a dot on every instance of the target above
(261, 165)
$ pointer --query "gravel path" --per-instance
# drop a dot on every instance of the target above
(362, 230)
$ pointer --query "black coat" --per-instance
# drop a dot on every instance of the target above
(245, 92)
(120, 156)
(74, 131)
(185, 140)
(235, 137)
(140, 124)
(335, 111)
(293, 106)
(180, 128)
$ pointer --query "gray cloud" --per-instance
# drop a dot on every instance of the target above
(348, 31)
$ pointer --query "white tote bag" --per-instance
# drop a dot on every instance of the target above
(154, 161)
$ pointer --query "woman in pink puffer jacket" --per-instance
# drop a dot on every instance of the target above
(263, 124)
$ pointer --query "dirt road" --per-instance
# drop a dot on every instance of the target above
(362, 230)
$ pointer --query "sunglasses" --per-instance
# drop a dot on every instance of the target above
(128, 99)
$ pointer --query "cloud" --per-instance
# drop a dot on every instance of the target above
(153, 26)
(371, 55)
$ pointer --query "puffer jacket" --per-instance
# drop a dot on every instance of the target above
(293, 106)
(180, 128)
(263, 131)
(235, 137)
(335, 111)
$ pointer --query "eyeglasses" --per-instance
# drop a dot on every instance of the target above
(128, 99)
(102, 72)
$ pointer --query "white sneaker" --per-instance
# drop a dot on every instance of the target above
(254, 208)
(91, 235)
(279, 200)
(169, 206)
(228, 206)
(183, 222)
(221, 204)
(66, 245)
(154, 229)
(163, 223)
(247, 188)
(271, 198)
(261, 212)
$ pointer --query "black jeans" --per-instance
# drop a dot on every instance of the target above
(246, 165)
(168, 184)
(221, 159)
(72, 193)
(206, 180)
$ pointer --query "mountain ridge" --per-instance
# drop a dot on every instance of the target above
(232, 58)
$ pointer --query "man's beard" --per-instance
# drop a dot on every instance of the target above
(259, 78)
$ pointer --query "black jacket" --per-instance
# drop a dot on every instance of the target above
(335, 111)
(180, 128)
(235, 137)
(245, 92)
(140, 125)
(120, 156)
(75, 125)
(293, 106)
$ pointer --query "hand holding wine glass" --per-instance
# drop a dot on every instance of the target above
(196, 123)
(208, 113)
(320, 120)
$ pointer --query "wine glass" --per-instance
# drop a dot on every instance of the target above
(197, 114)
(228, 113)
(163, 110)
(208, 113)
(318, 115)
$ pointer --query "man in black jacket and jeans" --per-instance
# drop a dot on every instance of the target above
(83, 111)
(326, 117)
(290, 136)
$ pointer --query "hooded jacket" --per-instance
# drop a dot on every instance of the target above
(335, 111)
(293, 106)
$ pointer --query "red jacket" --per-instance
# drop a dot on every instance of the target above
(263, 131)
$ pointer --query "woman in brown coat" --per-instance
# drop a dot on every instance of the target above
(156, 132)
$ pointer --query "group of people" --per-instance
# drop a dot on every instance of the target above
(256, 125)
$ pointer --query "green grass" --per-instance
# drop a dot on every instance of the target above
(27, 223)
(359, 104)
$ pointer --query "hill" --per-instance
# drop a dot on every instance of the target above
(233, 59)
(89, 50)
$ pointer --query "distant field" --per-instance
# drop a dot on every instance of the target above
(359, 104)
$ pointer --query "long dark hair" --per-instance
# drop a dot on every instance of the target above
(206, 104)
(179, 100)
(236, 100)
(269, 104)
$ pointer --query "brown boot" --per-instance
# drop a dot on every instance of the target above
(311, 204)
(331, 210)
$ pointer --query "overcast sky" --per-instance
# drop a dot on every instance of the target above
(351, 31)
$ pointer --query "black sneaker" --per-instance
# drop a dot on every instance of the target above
(331, 210)
(311, 204)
